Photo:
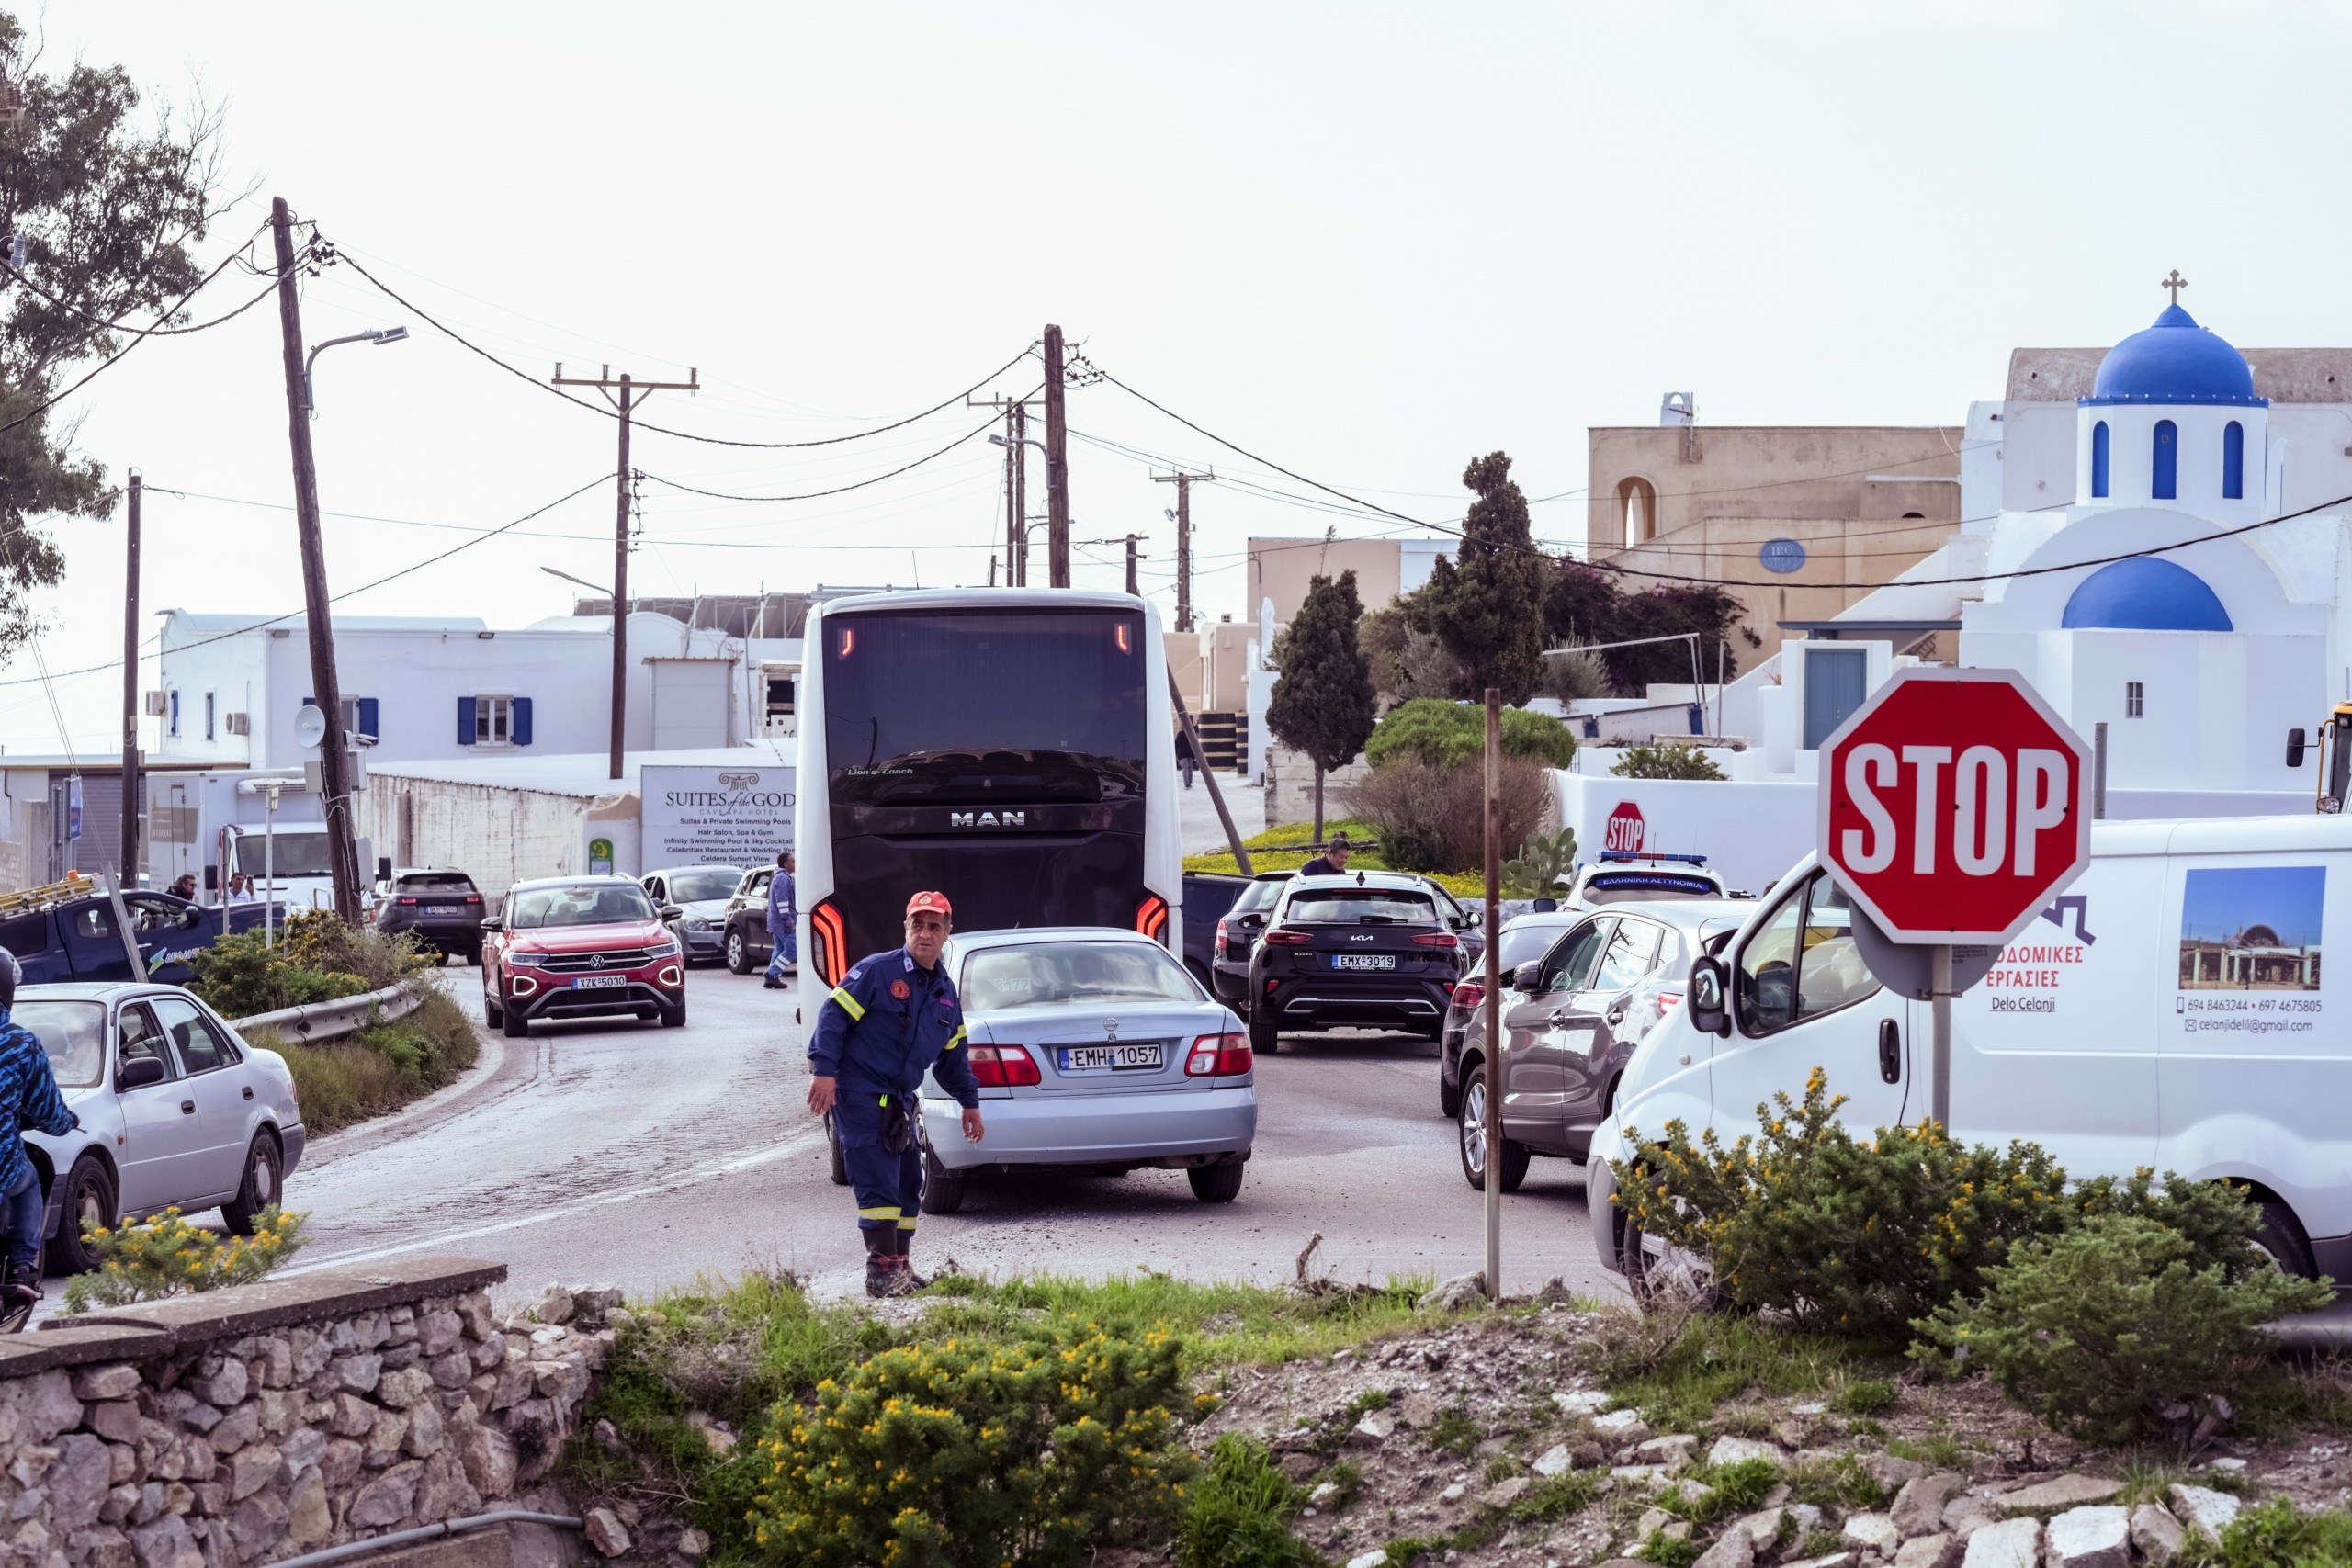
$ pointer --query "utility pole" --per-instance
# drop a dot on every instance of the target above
(632, 391)
(130, 853)
(1184, 483)
(1131, 563)
(1016, 483)
(1057, 466)
(335, 762)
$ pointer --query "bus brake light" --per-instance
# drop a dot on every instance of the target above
(1152, 916)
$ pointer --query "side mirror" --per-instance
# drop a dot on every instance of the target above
(383, 868)
(1707, 998)
(2295, 744)
(672, 912)
(139, 1072)
(1527, 976)
(1546, 906)
(492, 923)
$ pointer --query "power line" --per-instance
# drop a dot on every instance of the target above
(467, 344)
(837, 490)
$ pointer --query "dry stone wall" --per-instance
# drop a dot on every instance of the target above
(250, 1424)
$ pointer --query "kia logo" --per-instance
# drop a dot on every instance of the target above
(1367, 937)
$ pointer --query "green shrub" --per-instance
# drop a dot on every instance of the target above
(1447, 735)
(1430, 817)
(967, 1453)
(1240, 1512)
(382, 1067)
(1866, 1397)
(1667, 761)
(2111, 1332)
(1543, 862)
(240, 977)
(2275, 1536)
(168, 1257)
(321, 939)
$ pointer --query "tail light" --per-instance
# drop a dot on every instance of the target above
(1151, 918)
(829, 934)
(1218, 1056)
(1437, 939)
(1668, 1001)
(1469, 994)
(408, 900)
(1003, 1066)
(473, 897)
(1280, 937)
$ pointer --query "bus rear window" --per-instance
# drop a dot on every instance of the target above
(984, 707)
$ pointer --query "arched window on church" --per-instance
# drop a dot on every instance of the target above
(2233, 461)
(1637, 509)
(2098, 459)
(2165, 473)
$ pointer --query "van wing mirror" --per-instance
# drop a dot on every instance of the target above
(1706, 999)
(2295, 745)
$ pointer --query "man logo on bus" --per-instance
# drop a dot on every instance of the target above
(988, 820)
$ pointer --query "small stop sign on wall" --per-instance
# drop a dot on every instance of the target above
(1627, 829)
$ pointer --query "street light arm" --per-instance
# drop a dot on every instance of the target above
(374, 334)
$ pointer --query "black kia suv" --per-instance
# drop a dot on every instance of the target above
(1368, 950)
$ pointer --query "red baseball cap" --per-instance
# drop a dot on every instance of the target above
(935, 902)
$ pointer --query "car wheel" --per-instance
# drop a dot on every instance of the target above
(1449, 1095)
(442, 957)
(492, 1013)
(514, 1025)
(2281, 1239)
(675, 1018)
(738, 952)
(1660, 1273)
(839, 1155)
(1216, 1183)
(89, 1200)
(1264, 1038)
(263, 1184)
(943, 1189)
(1471, 1125)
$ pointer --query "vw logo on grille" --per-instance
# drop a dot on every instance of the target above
(595, 961)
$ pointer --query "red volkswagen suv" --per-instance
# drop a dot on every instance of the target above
(580, 947)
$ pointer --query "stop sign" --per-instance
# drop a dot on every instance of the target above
(1953, 804)
(1627, 829)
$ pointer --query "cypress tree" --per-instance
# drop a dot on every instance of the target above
(1487, 605)
(1324, 704)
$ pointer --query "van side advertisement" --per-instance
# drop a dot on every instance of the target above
(2250, 947)
(716, 816)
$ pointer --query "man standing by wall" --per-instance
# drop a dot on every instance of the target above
(784, 913)
(893, 1018)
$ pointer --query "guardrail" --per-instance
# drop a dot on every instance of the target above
(314, 1021)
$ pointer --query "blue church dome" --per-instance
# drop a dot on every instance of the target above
(2145, 594)
(2174, 361)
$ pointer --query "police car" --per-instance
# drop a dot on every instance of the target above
(1619, 875)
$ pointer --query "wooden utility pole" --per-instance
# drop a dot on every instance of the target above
(130, 852)
(335, 762)
(1496, 1064)
(1184, 483)
(1131, 564)
(632, 391)
(1016, 484)
(1057, 466)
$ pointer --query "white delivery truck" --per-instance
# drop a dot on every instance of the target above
(2170, 1010)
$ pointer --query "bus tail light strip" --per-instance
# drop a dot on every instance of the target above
(1003, 1066)
(1152, 916)
(825, 924)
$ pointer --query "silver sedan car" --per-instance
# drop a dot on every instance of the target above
(1095, 1050)
(176, 1110)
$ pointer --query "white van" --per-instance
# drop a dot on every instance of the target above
(295, 852)
(2169, 1010)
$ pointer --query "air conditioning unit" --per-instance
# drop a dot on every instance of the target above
(239, 724)
(155, 704)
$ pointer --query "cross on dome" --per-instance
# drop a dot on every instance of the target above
(2176, 283)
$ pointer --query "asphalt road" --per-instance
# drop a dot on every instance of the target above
(631, 1155)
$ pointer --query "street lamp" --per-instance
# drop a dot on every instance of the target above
(379, 335)
(592, 587)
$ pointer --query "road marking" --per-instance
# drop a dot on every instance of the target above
(726, 1167)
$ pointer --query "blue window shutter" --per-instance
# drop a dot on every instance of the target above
(2166, 482)
(521, 721)
(368, 717)
(2098, 459)
(310, 702)
(464, 721)
(2233, 461)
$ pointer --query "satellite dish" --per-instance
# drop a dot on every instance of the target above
(310, 724)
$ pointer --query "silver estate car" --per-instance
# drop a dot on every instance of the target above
(1094, 1049)
(176, 1110)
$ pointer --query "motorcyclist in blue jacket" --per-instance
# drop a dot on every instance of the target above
(894, 1017)
(29, 1098)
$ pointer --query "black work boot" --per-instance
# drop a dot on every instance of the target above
(908, 1280)
(881, 1262)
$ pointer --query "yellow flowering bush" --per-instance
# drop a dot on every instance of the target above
(970, 1453)
(169, 1256)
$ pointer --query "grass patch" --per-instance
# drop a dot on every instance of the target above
(1347, 1477)
(1241, 1512)
(1937, 1450)
(2275, 1536)
(1865, 1397)
(1841, 1483)
(1668, 1552)
(1678, 1372)
(1285, 849)
(1454, 1432)
(380, 1068)
(1557, 1497)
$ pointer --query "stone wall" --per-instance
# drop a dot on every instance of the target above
(249, 1425)
(1290, 788)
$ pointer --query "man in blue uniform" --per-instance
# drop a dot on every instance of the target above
(784, 907)
(893, 1018)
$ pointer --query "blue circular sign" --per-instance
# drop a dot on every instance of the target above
(1781, 554)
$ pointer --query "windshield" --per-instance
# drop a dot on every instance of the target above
(1618, 887)
(693, 886)
(580, 904)
(1257, 895)
(1010, 706)
(1361, 906)
(1525, 945)
(1074, 973)
(74, 1036)
(436, 881)
(293, 852)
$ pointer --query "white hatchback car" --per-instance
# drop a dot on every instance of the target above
(175, 1110)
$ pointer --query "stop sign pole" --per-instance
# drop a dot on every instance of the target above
(1953, 806)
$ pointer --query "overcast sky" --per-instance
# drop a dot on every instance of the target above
(1366, 242)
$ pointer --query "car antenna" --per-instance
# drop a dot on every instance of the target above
(1359, 879)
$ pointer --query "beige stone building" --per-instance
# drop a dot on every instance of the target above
(1801, 510)
(1280, 569)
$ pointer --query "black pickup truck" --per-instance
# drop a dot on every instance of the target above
(76, 939)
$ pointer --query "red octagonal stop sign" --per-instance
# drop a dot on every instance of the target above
(1954, 804)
